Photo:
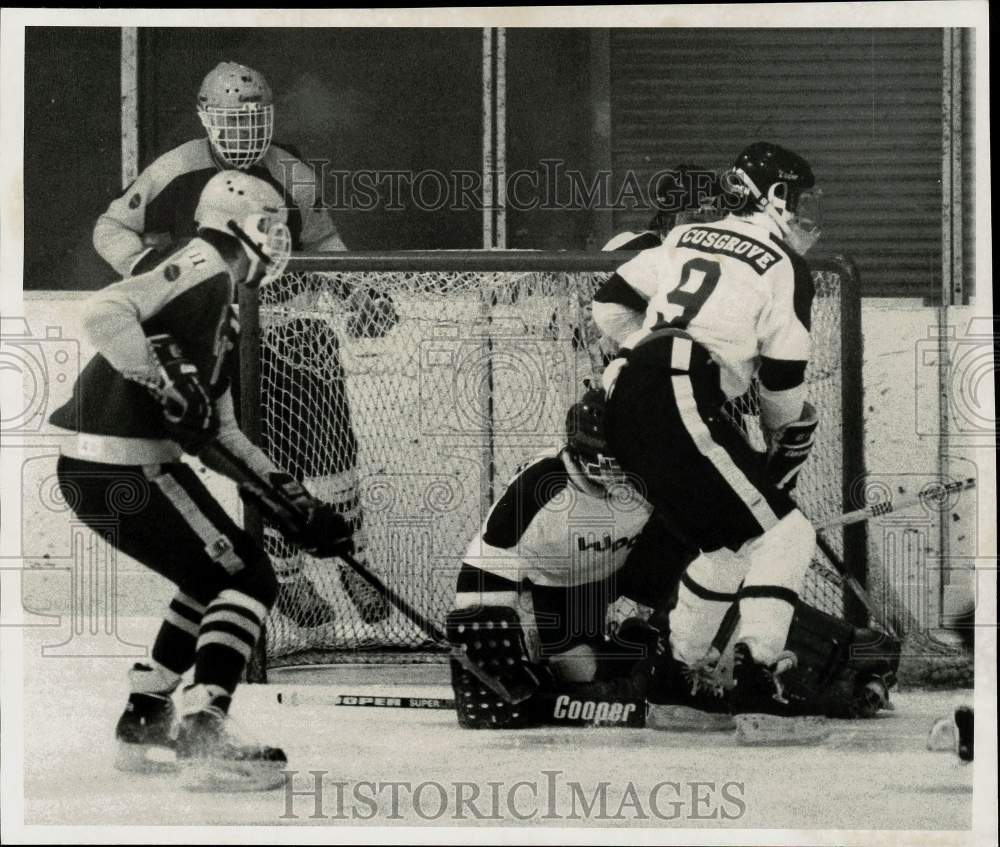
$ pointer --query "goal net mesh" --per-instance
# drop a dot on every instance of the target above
(409, 398)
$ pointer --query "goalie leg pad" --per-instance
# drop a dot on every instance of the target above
(480, 708)
(492, 639)
(842, 671)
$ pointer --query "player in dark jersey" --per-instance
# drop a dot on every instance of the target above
(235, 105)
(159, 383)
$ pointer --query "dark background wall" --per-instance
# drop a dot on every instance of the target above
(358, 99)
(863, 105)
(72, 150)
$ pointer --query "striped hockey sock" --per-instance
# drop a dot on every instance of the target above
(229, 630)
(175, 642)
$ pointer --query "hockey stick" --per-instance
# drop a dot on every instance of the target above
(895, 621)
(927, 497)
(310, 698)
(221, 457)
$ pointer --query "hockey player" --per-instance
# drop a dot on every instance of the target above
(567, 538)
(236, 107)
(727, 302)
(564, 541)
(159, 384)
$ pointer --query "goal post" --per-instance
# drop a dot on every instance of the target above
(412, 384)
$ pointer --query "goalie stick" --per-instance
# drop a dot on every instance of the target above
(243, 474)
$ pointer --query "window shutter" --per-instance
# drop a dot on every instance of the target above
(862, 106)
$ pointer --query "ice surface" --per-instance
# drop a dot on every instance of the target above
(869, 774)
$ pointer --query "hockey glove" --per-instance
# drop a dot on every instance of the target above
(189, 414)
(790, 447)
(315, 526)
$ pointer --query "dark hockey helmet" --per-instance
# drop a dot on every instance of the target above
(684, 194)
(772, 179)
(585, 440)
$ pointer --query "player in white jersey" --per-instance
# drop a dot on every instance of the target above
(568, 537)
(728, 301)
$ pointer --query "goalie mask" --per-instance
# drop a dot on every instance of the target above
(770, 179)
(236, 108)
(585, 441)
(250, 209)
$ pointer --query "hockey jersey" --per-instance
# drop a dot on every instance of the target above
(556, 528)
(738, 290)
(157, 209)
(188, 295)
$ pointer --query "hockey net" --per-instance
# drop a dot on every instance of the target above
(408, 387)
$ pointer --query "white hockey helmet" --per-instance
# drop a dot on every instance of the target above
(250, 209)
(236, 108)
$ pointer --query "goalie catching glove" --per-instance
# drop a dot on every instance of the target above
(790, 447)
(189, 415)
(309, 523)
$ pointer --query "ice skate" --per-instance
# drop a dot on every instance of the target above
(143, 734)
(760, 710)
(212, 759)
(688, 698)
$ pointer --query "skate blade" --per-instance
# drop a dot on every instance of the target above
(145, 758)
(676, 718)
(757, 728)
(231, 776)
